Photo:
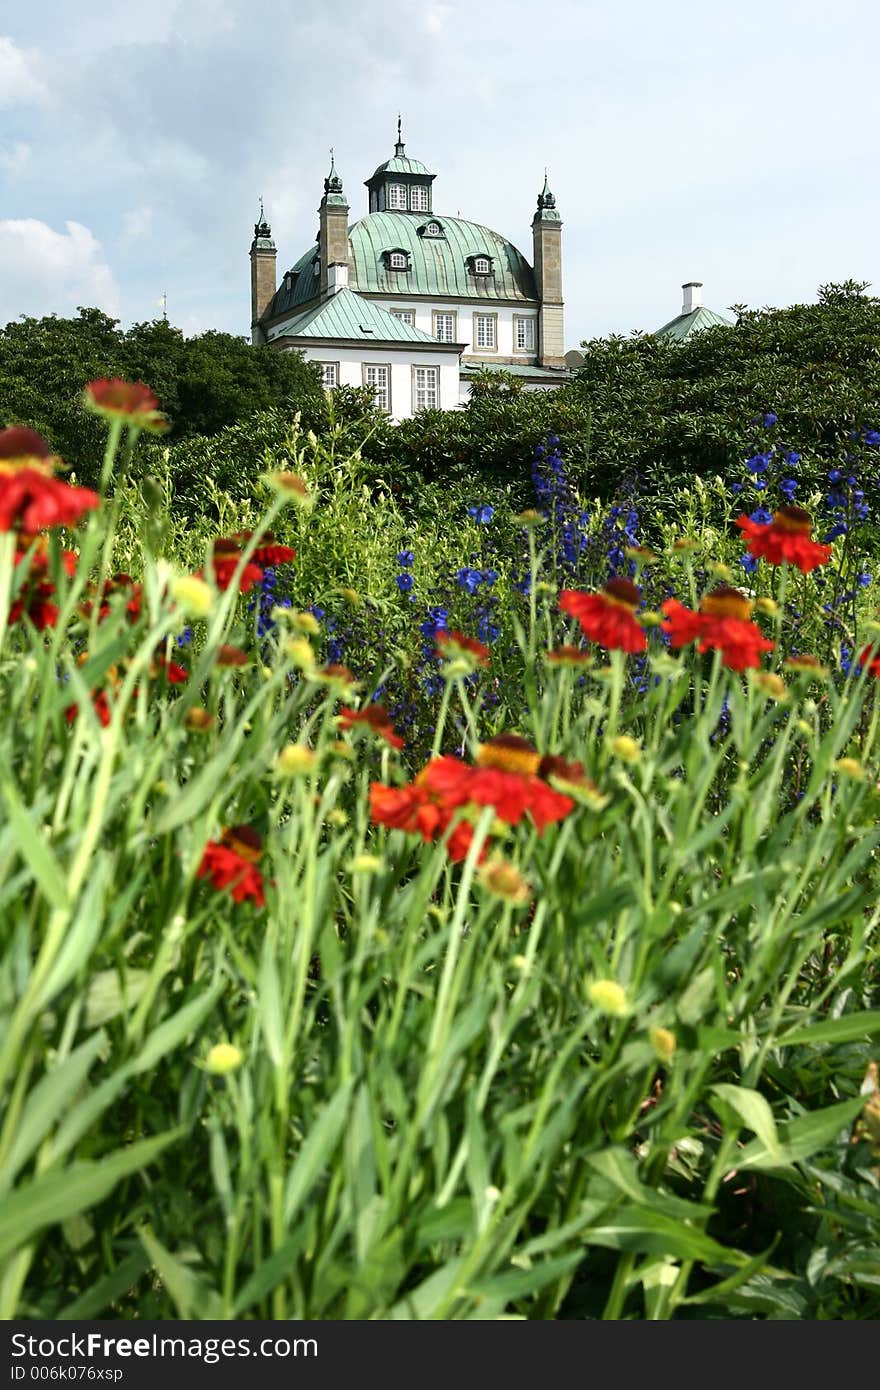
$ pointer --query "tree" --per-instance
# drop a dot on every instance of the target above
(204, 384)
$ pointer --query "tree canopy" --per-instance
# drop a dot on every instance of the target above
(204, 383)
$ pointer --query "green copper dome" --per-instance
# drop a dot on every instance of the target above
(438, 264)
(684, 325)
(400, 164)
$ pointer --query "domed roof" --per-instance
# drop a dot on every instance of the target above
(438, 264)
(399, 164)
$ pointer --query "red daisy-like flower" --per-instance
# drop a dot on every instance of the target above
(35, 549)
(456, 644)
(608, 617)
(376, 717)
(231, 863)
(21, 447)
(34, 600)
(268, 552)
(224, 562)
(31, 500)
(785, 539)
(722, 624)
(870, 657)
(130, 401)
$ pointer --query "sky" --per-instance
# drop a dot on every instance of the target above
(693, 140)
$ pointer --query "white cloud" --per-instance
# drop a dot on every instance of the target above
(19, 83)
(52, 272)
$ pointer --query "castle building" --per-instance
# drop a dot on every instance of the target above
(411, 302)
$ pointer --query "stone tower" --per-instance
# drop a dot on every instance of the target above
(263, 255)
(333, 228)
(547, 239)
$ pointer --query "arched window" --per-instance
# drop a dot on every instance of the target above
(418, 197)
(397, 196)
(397, 260)
(482, 265)
(432, 229)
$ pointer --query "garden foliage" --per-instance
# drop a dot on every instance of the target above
(460, 917)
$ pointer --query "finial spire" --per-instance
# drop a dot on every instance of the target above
(545, 198)
(332, 183)
(399, 147)
(261, 227)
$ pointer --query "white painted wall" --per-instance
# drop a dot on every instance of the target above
(464, 323)
(401, 359)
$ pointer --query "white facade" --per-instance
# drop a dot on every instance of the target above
(410, 389)
(508, 325)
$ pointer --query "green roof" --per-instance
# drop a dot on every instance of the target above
(686, 324)
(518, 369)
(346, 315)
(438, 264)
(399, 164)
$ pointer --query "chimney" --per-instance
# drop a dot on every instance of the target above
(337, 277)
(692, 297)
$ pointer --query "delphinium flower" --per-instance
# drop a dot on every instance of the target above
(786, 539)
(608, 617)
(559, 505)
(231, 863)
(722, 624)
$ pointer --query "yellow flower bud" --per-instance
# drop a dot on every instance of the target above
(223, 1058)
(768, 606)
(608, 997)
(366, 864)
(301, 653)
(850, 767)
(305, 622)
(195, 597)
(664, 1043)
(626, 748)
(295, 760)
(504, 880)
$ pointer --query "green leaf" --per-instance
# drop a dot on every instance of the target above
(89, 1304)
(174, 1029)
(46, 1103)
(192, 1297)
(270, 1272)
(652, 1232)
(318, 1147)
(803, 1137)
(269, 1002)
(754, 1111)
(35, 849)
(57, 1195)
(834, 1030)
(82, 933)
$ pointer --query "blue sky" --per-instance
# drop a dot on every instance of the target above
(737, 145)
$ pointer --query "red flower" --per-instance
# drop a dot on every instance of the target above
(32, 500)
(721, 624)
(132, 402)
(34, 601)
(608, 617)
(224, 562)
(873, 665)
(455, 644)
(268, 553)
(375, 717)
(785, 539)
(100, 705)
(446, 785)
(231, 863)
(38, 558)
(174, 674)
(24, 448)
(228, 655)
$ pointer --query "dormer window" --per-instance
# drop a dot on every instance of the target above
(480, 265)
(418, 197)
(397, 196)
(431, 229)
(396, 260)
